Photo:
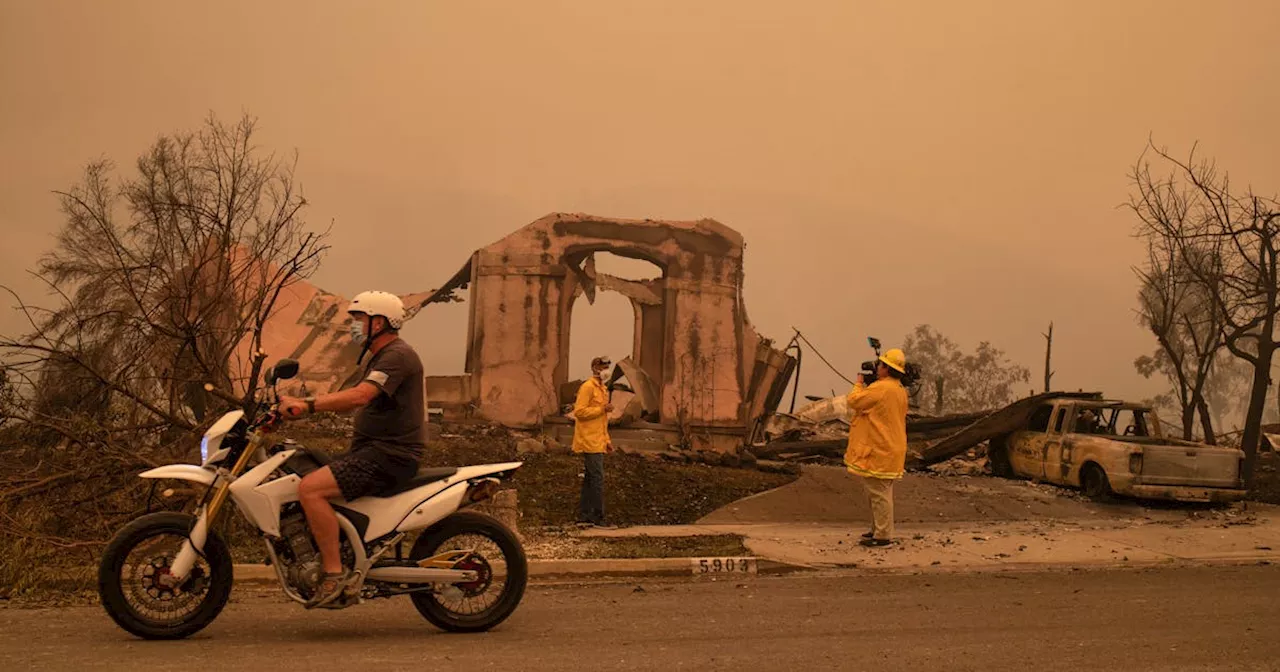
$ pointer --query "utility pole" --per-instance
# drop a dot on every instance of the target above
(1048, 357)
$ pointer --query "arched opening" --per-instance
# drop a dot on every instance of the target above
(635, 286)
(626, 268)
(605, 328)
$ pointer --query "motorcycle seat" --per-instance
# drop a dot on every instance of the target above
(424, 477)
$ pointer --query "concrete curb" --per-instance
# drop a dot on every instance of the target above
(583, 568)
(569, 569)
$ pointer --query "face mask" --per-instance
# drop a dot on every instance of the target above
(357, 331)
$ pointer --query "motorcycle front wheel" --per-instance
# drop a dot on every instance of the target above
(132, 578)
(493, 552)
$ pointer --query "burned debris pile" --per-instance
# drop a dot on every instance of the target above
(818, 432)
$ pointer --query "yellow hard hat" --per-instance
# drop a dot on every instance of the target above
(895, 360)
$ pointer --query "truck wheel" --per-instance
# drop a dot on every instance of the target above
(1094, 483)
(998, 457)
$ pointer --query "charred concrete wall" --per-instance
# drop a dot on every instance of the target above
(692, 338)
(692, 341)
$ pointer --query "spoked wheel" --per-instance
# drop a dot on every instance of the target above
(479, 543)
(141, 596)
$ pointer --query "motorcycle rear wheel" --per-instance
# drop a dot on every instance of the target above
(471, 523)
(127, 601)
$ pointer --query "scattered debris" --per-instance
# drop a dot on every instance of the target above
(820, 431)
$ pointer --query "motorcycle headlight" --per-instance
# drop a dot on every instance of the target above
(204, 449)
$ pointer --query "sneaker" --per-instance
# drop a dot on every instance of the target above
(332, 587)
(875, 542)
(868, 535)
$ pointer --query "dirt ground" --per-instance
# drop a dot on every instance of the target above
(829, 495)
(568, 546)
(638, 491)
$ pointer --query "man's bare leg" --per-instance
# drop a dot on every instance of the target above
(314, 493)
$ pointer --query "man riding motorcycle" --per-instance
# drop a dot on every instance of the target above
(389, 438)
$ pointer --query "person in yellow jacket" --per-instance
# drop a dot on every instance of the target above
(591, 440)
(878, 440)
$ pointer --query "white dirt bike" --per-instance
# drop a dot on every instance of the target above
(167, 575)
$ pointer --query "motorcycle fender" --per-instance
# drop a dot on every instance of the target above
(431, 510)
(181, 472)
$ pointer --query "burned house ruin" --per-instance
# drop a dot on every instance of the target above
(700, 373)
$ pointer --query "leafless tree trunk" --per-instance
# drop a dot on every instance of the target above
(1048, 358)
(1227, 242)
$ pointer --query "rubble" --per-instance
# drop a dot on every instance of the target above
(818, 431)
(972, 463)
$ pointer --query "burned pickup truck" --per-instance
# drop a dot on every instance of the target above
(1106, 447)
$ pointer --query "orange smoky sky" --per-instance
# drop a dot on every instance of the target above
(960, 164)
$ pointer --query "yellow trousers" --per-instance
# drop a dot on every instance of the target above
(880, 494)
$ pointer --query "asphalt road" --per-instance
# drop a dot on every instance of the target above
(1167, 619)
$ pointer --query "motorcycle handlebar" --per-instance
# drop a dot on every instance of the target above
(269, 419)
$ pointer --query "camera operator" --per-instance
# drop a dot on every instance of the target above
(878, 440)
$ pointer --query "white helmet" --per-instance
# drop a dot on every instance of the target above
(385, 304)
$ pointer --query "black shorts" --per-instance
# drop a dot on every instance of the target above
(365, 471)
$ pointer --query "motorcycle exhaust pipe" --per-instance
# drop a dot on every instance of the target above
(482, 490)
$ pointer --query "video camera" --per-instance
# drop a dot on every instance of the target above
(909, 379)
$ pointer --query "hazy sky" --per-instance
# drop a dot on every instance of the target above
(889, 163)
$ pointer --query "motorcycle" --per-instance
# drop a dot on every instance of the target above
(167, 575)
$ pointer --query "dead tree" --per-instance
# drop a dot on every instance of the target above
(164, 281)
(1174, 307)
(1229, 242)
(1048, 357)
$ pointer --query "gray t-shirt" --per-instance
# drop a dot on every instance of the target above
(393, 421)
